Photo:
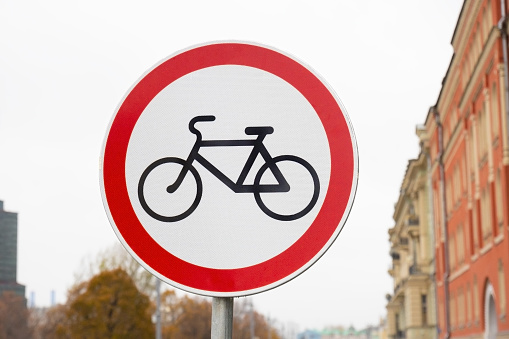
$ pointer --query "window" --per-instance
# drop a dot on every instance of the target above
(484, 25)
(446, 129)
(471, 146)
(464, 74)
(464, 175)
(448, 197)
(470, 232)
(469, 304)
(456, 185)
(501, 286)
(452, 251)
(489, 24)
(475, 226)
(486, 21)
(461, 308)
(499, 201)
(452, 307)
(481, 129)
(441, 315)
(460, 245)
(486, 223)
(433, 146)
(398, 331)
(437, 213)
(424, 309)
(494, 110)
(476, 301)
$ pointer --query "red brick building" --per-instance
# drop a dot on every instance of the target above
(468, 136)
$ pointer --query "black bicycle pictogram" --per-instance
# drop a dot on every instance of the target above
(257, 188)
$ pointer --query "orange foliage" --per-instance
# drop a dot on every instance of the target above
(13, 316)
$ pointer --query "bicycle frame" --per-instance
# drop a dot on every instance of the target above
(238, 186)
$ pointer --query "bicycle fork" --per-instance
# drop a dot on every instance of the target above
(189, 161)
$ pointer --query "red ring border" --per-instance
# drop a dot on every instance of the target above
(279, 269)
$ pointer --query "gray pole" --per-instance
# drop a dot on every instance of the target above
(269, 335)
(222, 318)
(252, 323)
(158, 310)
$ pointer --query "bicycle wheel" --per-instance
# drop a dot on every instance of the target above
(153, 194)
(304, 199)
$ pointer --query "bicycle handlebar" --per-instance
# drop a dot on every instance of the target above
(198, 119)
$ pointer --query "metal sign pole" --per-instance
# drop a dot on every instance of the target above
(158, 310)
(222, 318)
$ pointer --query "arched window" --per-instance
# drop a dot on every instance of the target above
(490, 314)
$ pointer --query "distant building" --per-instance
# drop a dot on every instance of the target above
(340, 332)
(9, 252)
(309, 334)
(411, 307)
(377, 332)
(469, 154)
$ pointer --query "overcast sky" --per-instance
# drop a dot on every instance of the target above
(65, 67)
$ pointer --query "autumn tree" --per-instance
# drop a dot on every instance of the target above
(189, 317)
(50, 323)
(114, 303)
(13, 317)
(109, 306)
(245, 318)
(117, 257)
(186, 317)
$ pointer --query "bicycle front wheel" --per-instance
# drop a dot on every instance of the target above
(303, 193)
(155, 198)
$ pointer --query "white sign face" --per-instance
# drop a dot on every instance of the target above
(229, 169)
(231, 223)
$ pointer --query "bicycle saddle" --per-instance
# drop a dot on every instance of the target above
(257, 130)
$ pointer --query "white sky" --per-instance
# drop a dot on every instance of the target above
(65, 67)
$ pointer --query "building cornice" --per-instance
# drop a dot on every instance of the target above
(466, 21)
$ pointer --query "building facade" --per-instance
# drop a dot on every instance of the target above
(411, 308)
(469, 177)
(9, 252)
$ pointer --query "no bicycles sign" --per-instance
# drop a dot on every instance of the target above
(229, 169)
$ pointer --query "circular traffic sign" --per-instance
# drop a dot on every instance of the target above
(228, 169)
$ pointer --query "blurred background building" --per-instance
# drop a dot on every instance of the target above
(466, 133)
(341, 332)
(9, 252)
(411, 308)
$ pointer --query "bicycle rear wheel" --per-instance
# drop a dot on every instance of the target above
(157, 201)
(279, 205)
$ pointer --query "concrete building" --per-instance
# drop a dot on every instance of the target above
(469, 173)
(411, 308)
(9, 252)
